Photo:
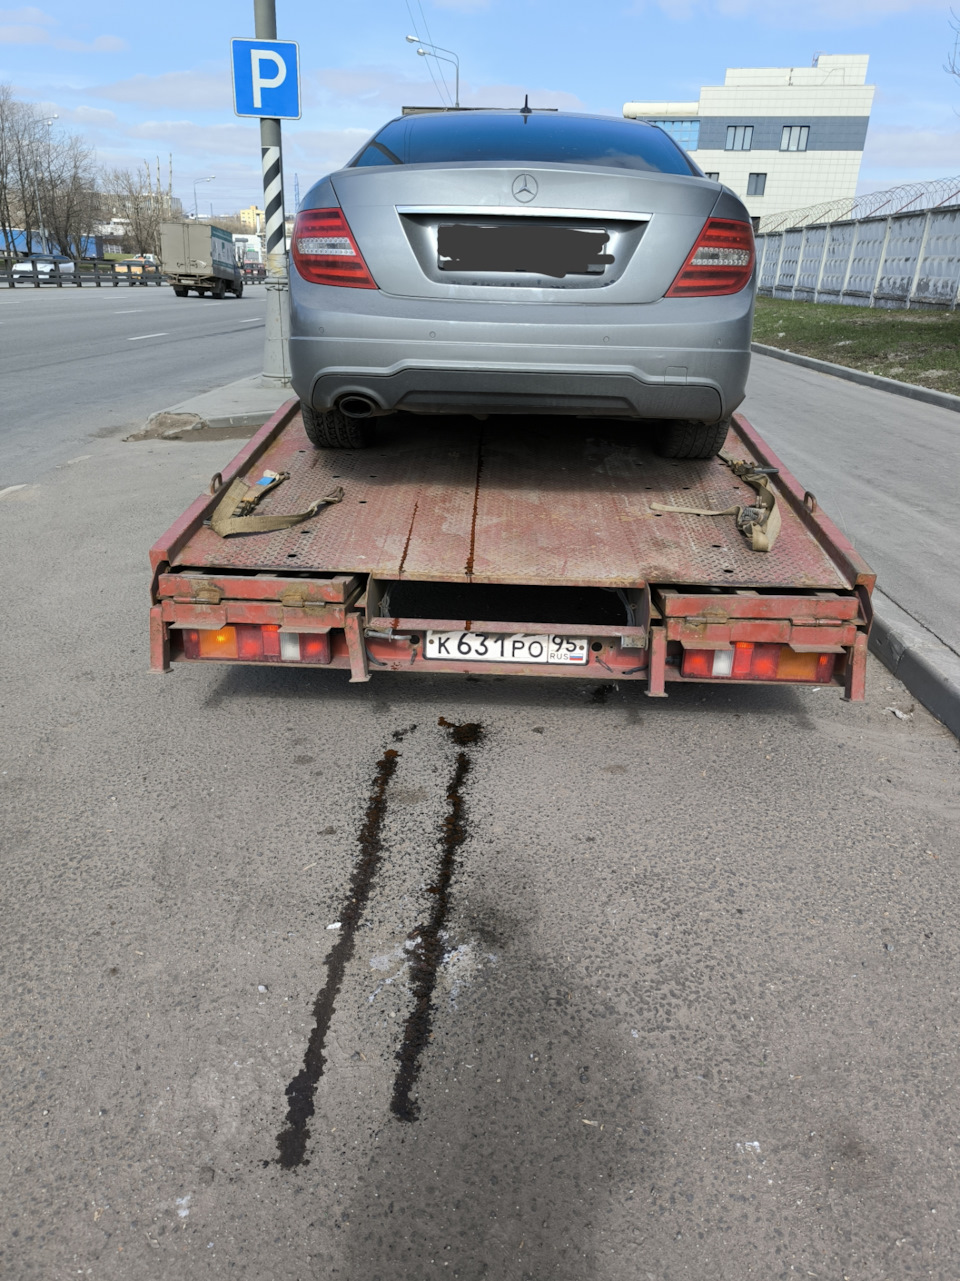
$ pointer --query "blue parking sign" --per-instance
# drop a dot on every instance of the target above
(266, 78)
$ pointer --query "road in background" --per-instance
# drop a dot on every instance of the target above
(76, 363)
(884, 468)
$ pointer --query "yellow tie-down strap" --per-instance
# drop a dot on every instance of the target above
(759, 522)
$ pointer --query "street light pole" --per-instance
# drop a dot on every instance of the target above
(195, 181)
(276, 366)
(453, 60)
(48, 121)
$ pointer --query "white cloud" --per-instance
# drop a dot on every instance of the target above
(197, 90)
(932, 152)
(786, 13)
(102, 44)
(23, 33)
(30, 25)
(381, 86)
(507, 95)
(91, 117)
(352, 85)
(27, 14)
(191, 138)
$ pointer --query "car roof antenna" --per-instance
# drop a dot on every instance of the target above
(526, 110)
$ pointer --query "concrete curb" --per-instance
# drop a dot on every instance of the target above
(929, 668)
(941, 398)
(246, 403)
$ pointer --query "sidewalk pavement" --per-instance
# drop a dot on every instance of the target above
(925, 663)
(248, 402)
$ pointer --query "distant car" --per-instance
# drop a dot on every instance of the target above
(46, 268)
(135, 265)
(522, 262)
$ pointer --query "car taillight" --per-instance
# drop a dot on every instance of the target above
(750, 662)
(257, 644)
(721, 262)
(325, 252)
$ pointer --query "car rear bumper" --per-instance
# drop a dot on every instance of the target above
(430, 356)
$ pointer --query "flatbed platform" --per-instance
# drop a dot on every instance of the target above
(543, 526)
(556, 504)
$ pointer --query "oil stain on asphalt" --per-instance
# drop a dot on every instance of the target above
(301, 1092)
(428, 940)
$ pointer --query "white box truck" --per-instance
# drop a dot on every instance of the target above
(201, 257)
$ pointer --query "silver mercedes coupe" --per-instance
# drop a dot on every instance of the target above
(522, 262)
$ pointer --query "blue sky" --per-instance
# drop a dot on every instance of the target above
(139, 82)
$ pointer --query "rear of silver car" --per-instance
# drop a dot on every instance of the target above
(500, 287)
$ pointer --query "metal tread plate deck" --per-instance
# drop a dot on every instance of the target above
(534, 501)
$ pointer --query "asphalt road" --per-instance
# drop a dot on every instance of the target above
(884, 468)
(81, 363)
(694, 1006)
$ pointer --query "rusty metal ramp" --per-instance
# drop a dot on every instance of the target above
(543, 501)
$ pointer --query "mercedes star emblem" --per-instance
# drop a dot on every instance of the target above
(524, 187)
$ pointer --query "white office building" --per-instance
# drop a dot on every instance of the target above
(781, 137)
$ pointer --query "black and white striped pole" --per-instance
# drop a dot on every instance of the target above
(276, 363)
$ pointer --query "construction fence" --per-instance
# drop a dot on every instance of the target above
(903, 260)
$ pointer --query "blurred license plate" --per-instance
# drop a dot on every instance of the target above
(498, 647)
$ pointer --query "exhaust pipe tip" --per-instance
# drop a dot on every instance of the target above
(358, 407)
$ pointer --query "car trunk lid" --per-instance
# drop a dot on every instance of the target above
(562, 232)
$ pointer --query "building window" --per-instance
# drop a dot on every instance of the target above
(756, 184)
(714, 177)
(739, 138)
(684, 132)
(794, 137)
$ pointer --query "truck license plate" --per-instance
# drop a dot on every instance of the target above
(498, 647)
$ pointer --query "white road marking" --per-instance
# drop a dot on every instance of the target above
(128, 311)
(140, 337)
(10, 489)
(250, 320)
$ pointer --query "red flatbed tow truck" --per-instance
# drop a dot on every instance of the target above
(521, 547)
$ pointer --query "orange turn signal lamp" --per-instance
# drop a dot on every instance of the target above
(750, 662)
(257, 644)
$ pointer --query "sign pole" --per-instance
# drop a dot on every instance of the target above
(276, 365)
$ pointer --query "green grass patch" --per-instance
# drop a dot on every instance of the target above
(921, 347)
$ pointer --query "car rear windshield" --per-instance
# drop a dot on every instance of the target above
(524, 139)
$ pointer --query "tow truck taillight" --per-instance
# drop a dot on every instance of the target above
(750, 662)
(257, 644)
(721, 262)
(325, 252)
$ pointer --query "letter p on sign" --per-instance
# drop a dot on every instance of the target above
(266, 78)
(257, 58)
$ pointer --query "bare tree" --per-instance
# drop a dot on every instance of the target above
(141, 206)
(69, 193)
(47, 183)
(952, 64)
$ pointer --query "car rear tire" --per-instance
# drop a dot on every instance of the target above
(220, 289)
(331, 429)
(683, 439)
(238, 289)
